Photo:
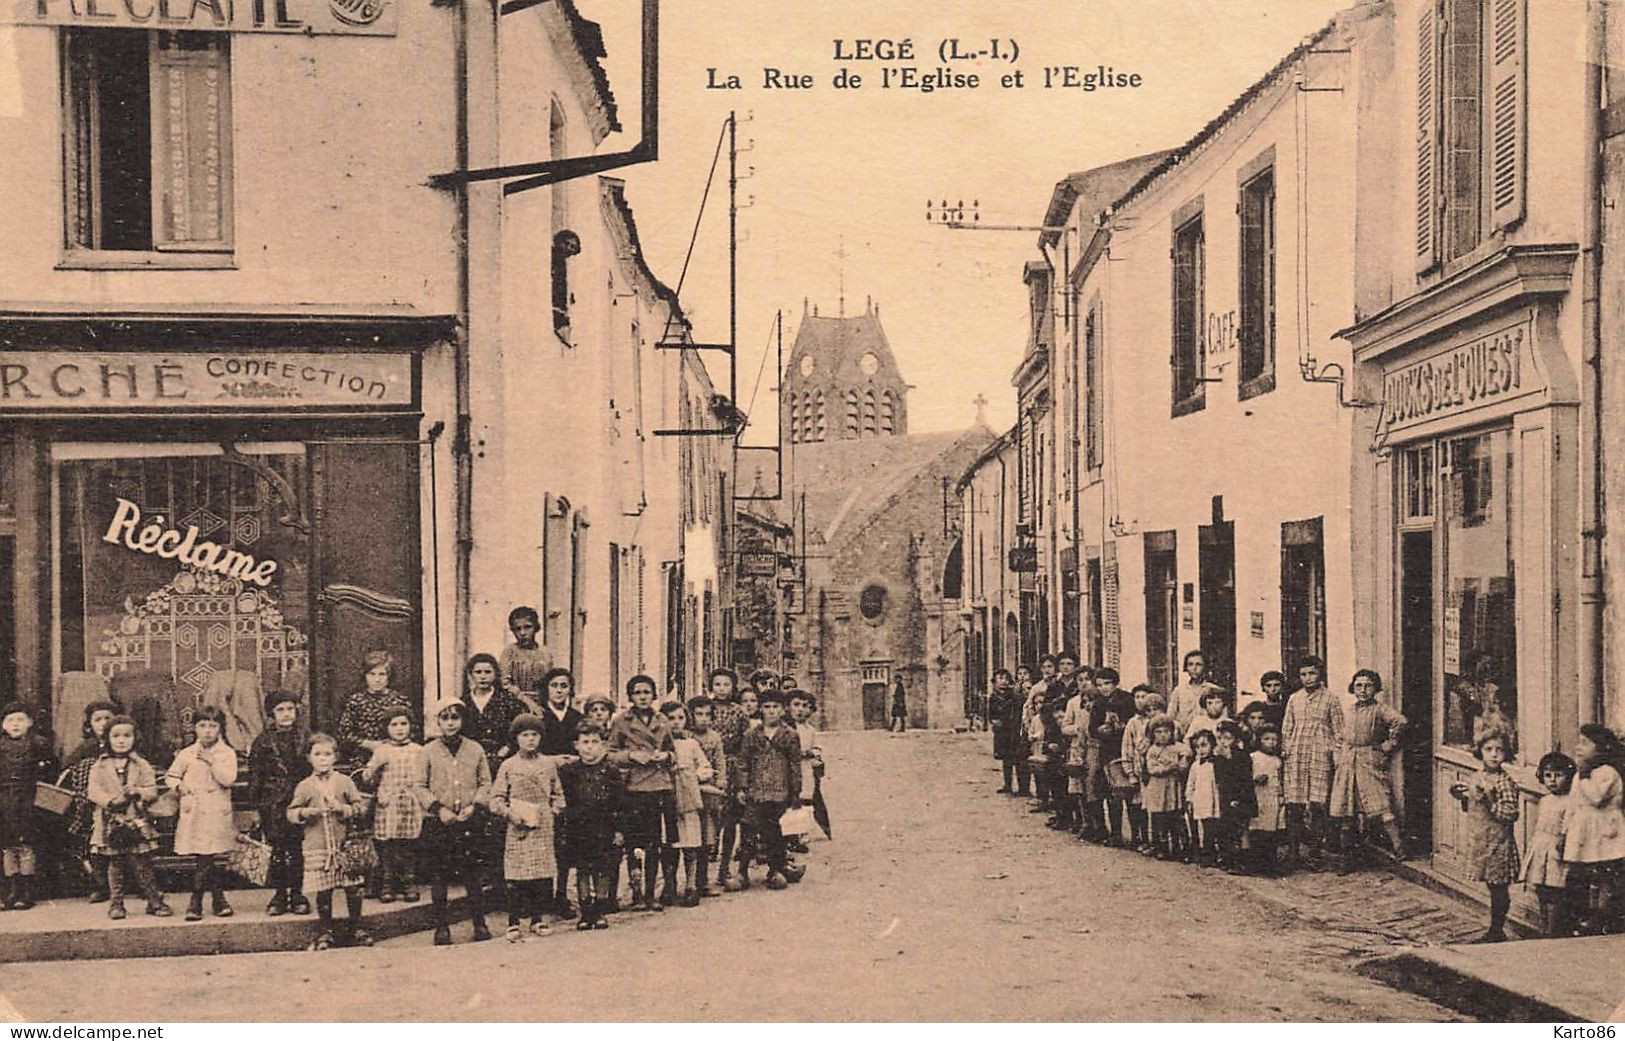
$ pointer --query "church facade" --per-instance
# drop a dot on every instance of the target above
(878, 537)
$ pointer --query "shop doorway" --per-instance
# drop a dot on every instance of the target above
(1161, 608)
(1216, 574)
(1416, 684)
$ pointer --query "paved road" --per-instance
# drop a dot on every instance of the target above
(940, 900)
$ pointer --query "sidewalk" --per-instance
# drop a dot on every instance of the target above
(71, 929)
(1530, 981)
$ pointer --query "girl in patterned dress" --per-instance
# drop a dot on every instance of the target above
(1492, 800)
(1361, 789)
(1311, 731)
(527, 794)
(1543, 864)
(398, 819)
(82, 813)
(689, 770)
(322, 803)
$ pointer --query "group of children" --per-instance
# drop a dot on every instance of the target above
(673, 791)
(1186, 777)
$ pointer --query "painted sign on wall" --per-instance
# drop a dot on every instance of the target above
(1466, 376)
(304, 17)
(82, 380)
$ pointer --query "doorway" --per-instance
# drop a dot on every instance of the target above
(1416, 684)
(1161, 608)
(1216, 574)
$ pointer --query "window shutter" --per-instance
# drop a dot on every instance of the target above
(191, 141)
(1111, 630)
(1427, 139)
(1507, 108)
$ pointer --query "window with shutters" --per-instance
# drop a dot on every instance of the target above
(148, 145)
(1112, 646)
(1094, 431)
(1471, 125)
(1188, 276)
(1256, 209)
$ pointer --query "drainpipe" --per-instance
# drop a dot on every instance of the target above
(1592, 488)
(1004, 558)
(461, 447)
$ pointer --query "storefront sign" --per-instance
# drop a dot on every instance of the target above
(172, 544)
(1467, 376)
(305, 17)
(75, 380)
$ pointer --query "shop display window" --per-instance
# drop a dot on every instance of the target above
(1479, 622)
(183, 578)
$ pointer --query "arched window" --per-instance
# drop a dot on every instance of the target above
(852, 428)
(795, 418)
(869, 426)
(820, 425)
(888, 413)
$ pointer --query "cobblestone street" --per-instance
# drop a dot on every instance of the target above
(940, 900)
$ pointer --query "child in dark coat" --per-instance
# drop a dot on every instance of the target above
(1238, 803)
(25, 760)
(276, 764)
(590, 824)
(82, 813)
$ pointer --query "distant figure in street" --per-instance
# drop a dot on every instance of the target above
(1492, 801)
(1004, 718)
(899, 707)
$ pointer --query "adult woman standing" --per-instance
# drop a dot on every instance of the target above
(361, 724)
(899, 707)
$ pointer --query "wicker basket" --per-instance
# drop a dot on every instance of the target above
(51, 798)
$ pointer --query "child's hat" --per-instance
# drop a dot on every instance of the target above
(1160, 719)
(523, 722)
(279, 697)
(445, 705)
(1156, 701)
(599, 699)
(14, 707)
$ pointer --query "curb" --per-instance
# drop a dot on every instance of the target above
(290, 933)
(1462, 991)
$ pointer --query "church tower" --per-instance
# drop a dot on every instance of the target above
(841, 382)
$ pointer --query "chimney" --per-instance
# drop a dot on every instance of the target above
(803, 307)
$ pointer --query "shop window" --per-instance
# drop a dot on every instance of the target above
(1470, 100)
(1257, 210)
(1417, 483)
(1189, 260)
(148, 140)
(184, 578)
(1479, 619)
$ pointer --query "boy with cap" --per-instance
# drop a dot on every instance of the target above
(25, 759)
(594, 795)
(769, 783)
(640, 743)
(454, 789)
(527, 793)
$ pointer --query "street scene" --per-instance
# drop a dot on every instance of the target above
(487, 488)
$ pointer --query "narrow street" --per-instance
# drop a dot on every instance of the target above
(940, 900)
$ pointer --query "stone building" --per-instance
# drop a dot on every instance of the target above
(874, 509)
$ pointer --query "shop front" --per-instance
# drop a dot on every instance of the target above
(209, 524)
(1476, 528)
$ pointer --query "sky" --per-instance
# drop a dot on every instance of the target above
(830, 173)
